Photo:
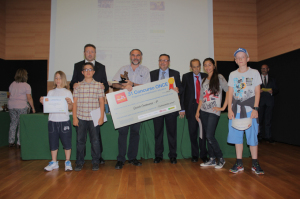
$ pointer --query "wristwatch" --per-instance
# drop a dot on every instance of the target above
(256, 108)
(132, 84)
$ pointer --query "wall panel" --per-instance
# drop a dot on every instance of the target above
(2, 29)
(235, 26)
(27, 29)
(278, 26)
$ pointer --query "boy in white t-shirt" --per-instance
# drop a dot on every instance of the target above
(59, 125)
(244, 93)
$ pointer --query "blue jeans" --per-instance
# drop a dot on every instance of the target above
(94, 133)
(209, 123)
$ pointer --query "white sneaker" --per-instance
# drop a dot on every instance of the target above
(220, 163)
(68, 166)
(52, 165)
(210, 162)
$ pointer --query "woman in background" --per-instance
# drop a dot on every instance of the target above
(19, 95)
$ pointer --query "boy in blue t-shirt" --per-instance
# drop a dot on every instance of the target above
(244, 87)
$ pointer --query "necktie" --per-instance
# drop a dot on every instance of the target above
(265, 81)
(197, 89)
(163, 75)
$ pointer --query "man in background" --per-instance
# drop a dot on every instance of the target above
(99, 75)
(266, 104)
(191, 84)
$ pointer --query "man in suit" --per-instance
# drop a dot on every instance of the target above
(99, 75)
(191, 84)
(165, 72)
(266, 103)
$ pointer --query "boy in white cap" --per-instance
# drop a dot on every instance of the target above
(244, 93)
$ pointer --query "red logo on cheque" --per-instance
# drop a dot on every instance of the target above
(120, 98)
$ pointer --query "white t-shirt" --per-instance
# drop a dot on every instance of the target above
(243, 85)
(60, 117)
(209, 101)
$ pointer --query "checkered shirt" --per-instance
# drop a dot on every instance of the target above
(87, 95)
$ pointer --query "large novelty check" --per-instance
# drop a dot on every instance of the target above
(143, 102)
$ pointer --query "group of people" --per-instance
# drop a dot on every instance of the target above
(200, 98)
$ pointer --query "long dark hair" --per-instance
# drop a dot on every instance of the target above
(214, 84)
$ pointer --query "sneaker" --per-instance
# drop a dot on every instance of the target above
(236, 168)
(68, 166)
(220, 163)
(95, 167)
(257, 169)
(78, 167)
(52, 165)
(210, 162)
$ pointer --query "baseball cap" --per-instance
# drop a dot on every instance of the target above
(241, 50)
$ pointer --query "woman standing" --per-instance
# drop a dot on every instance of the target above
(19, 94)
(210, 110)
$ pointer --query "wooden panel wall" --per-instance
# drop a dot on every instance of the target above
(235, 25)
(27, 29)
(266, 28)
(2, 29)
(278, 27)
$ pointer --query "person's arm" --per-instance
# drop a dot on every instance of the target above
(42, 100)
(74, 78)
(178, 84)
(182, 112)
(224, 86)
(122, 86)
(197, 116)
(274, 88)
(29, 99)
(216, 109)
(254, 113)
(70, 104)
(229, 99)
(104, 80)
(101, 103)
(75, 119)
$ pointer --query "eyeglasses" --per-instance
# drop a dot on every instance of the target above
(88, 69)
(163, 60)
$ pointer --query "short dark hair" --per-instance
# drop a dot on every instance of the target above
(88, 63)
(89, 45)
(21, 75)
(165, 55)
(135, 49)
(266, 65)
(195, 60)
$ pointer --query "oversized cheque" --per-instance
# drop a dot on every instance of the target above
(143, 102)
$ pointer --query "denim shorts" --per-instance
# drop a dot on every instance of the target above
(236, 136)
(62, 131)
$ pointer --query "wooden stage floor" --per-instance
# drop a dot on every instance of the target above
(27, 179)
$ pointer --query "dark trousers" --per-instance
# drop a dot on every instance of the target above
(171, 126)
(265, 116)
(94, 133)
(133, 142)
(194, 135)
(209, 123)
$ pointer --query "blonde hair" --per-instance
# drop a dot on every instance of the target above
(21, 75)
(63, 77)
